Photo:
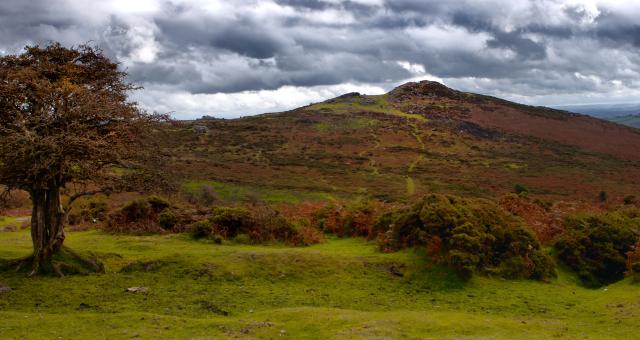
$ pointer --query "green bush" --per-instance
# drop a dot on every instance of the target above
(229, 222)
(158, 203)
(469, 235)
(167, 220)
(91, 211)
(242, 239)
(595, 245)
(521, 190)
(201, 229)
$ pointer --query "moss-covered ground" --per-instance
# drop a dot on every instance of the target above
(342, 288)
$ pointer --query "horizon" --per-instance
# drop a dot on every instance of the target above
(232, 59)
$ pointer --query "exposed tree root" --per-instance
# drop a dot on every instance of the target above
(62, 263)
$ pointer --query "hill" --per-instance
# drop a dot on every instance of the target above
(418, 138)
(630, 120)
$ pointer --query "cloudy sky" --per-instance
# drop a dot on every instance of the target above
(230, 58)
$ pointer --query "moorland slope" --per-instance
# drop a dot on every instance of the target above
(420, 137)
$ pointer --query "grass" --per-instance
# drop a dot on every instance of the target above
(11, 221)
(235, 192)
(377, 103)
(348, 124)
(343, 288)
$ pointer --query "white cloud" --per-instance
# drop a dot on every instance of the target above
(185, 105)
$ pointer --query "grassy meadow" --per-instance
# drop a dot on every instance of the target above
(341, 288)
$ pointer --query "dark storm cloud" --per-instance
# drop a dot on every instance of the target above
(526, 48)
(540, 47)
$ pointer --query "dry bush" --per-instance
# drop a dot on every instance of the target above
(13, 200)
(258, 223)
(138, 217)
(540, 217)
(271, 225)
(352, 219)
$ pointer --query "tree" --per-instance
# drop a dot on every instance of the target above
(66, 128)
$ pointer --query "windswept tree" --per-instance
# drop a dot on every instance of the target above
(67, 130)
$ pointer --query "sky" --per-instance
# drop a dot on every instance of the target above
(241, 57)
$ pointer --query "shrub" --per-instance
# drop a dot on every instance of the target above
(142, 216)
(546, 205)
(205, 196)
(260, 224)
(596, 245)
(167, 220)
(539, 216)
(91, 211)
(208, 195)
(634, 272)
(520, 189)
(229, 222)
(468, 235)
(629, 200)
(603, 196)
(201, 229)
(354, 219)
(270, 225)
(242, 239)
(136, 210)
(158, 203)
(633, 260)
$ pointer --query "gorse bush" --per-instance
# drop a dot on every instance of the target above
(230, 222)
(202, 229)
(468, 235)
(167, 220)
(158, 203)
(596, 245)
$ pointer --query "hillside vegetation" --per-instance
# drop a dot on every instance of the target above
(420, 138)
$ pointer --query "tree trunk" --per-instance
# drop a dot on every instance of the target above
(47, 226)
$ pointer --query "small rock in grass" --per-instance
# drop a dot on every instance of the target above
(137, 290)
(4, 289)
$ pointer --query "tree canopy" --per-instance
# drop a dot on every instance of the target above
(66, 124)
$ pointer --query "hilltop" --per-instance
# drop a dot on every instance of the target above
(418, 138)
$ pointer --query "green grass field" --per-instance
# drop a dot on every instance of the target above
(342, 288)
(236, 192)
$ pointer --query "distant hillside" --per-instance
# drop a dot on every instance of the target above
(629, 120)
(625, 114)
(420, 137)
